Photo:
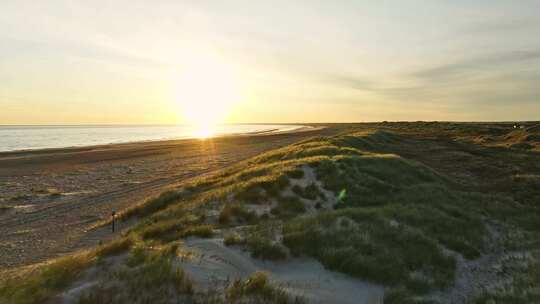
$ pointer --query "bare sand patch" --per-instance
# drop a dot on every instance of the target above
(211, 264)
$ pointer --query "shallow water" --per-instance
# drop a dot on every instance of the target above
(13, 138)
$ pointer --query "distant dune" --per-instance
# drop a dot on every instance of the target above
(361, 213)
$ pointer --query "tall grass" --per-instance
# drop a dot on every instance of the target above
(258, 289)
(150, 277)
(395, 221)
(41, 285)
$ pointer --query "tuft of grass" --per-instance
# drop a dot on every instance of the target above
(311, 192)
(288, 207)
(363, 243)
(296, 173)
(5, 208)
(402, 296)
(261, 244)
(41, 285)
(524, 287)
(251, 194)
(154, 204)
(204, 231)
(258, 289)
(236, 212)
(150, 278)
(137, 256)
(394, 216)
(114, 247)
(161, 229)
(172, 228)
(233, 239)
(266, 250)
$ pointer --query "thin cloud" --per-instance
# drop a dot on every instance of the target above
(499, 26)
(494, 61)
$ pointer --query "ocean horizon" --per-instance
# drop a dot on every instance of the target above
(35, 137)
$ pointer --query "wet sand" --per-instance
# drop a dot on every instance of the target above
(50, 199)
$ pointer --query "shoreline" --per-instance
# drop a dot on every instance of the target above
(301, 128)
(50, 198)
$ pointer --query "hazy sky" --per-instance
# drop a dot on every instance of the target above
(288, 61)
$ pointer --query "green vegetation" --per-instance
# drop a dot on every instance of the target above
(387, 219)
(266, 250)
(47, 280)
(257, 289)
(365, 243)
(237, 212)
(174, 228)
(260, 241)
(155, 204)
(40, 285)
(5, 208)
(148, 277)
(288, 207)
(233, 239)
(296, 173)
(524, 288)
(115, 247)
(311, 192)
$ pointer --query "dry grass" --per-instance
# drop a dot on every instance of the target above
(238, 213)
(395, 219)
(150, 277)
(257, 289)
(41, 284)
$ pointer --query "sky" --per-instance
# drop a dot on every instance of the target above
(165, 61)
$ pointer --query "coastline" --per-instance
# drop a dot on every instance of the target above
(300, 128)
(51, 198)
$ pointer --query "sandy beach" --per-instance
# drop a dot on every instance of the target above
(50, 199)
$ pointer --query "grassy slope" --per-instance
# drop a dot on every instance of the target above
(394, 221)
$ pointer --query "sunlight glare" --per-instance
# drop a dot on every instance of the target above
(206, 89)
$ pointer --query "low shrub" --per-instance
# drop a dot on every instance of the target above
(257, 289)
(236, 212)
(114, 247)
(296, 173)
(204, 231)
(288, 206)
(153, 278)
(41, 285)
(266, 250)
(155, 204)
(233, 239)
(311, 192)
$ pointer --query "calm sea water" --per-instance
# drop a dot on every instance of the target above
(13, 138)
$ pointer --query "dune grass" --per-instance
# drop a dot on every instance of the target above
(260, 241)
(147, 277)
(174, 229)
(524, 288)
(5, 208)
(236, 212)
(40, 285)
(114, 247)
(367, 244)
(258, 289)
(397, 222)
(389, 227)
(43, 283)
(310, 192)
(232, 239)
(154, 204)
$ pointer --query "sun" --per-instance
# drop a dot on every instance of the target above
(205, 91)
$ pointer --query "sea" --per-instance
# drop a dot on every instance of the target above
(16, 138)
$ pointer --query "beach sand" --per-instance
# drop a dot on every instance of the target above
(51, 200)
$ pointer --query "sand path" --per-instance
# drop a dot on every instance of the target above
(213, 264)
